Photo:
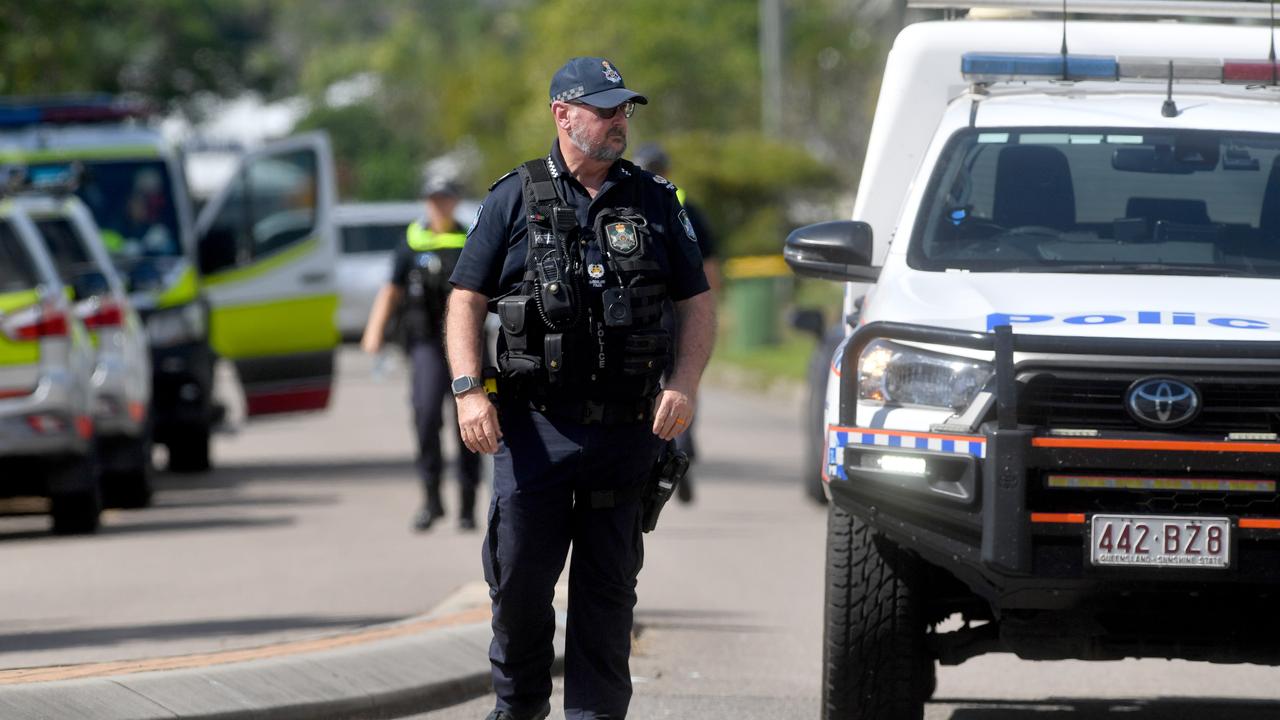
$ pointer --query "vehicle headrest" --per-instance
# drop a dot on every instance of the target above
(1033, 187)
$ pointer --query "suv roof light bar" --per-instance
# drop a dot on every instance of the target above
(990, 67)
(1156, 8)
(86, 109)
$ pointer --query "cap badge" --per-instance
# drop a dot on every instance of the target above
(622, 238)
(595, 270)
(610, 73)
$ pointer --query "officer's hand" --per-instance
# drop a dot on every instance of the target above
(675, 412)
(371, 343)
(478, 422)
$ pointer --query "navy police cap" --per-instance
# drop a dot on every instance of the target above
(594, 81)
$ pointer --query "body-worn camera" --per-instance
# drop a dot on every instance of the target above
(617, 307)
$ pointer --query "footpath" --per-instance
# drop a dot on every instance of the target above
(384, 671)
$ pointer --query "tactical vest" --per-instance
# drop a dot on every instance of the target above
(427, 287)
(585, 321)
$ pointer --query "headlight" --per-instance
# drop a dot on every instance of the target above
(898, 375)
(175, 326)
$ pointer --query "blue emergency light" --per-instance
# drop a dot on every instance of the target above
(994, 67)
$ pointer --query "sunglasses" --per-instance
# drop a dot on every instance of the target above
(627, 108)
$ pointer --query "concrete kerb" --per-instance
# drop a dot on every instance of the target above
(412, 666)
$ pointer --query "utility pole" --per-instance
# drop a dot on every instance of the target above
(771, 67)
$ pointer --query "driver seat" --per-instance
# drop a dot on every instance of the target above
(1033, 187)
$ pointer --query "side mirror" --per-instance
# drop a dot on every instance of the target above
(808, 320)
(839, 250)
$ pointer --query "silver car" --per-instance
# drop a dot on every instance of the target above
(47, 394)
(122, 371)
(369, 234)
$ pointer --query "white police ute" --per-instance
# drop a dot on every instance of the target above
(1058, 413)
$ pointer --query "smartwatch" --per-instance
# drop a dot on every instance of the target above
(465, 383)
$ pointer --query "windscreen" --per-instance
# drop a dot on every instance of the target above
(17, 271)
(372, 238)
(133, 203)
(1122, 201)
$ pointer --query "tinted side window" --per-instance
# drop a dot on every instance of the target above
(17, 271)
(372, 238)
(65, 248)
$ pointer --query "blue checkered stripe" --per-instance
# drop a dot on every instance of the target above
(839, 439)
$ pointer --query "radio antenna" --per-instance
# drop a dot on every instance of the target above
(1170, 108)
(1064, 37)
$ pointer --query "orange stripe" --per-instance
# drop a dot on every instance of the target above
(1260, 523)
(906, 433)
(1072, 518)
(17, 392)
(1208, 446)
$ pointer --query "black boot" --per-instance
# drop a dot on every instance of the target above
(504, 715)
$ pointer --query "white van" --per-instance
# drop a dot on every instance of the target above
(1058, 414)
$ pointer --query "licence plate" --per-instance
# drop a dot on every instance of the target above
(1191, 542)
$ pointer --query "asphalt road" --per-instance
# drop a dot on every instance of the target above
(303, 530)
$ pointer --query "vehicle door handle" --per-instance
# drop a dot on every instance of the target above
(313, 278)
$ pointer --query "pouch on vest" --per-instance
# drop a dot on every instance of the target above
(646, 352)
(554, 348)
(513, 313)
(556, 289)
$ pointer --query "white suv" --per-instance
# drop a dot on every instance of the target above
(1059, 415)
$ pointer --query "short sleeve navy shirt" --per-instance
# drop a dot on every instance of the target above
(493, 258)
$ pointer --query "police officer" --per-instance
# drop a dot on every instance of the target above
(419, 287)
(653, 158)
(576, 252)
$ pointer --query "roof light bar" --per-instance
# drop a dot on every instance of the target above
(65, 111)
(997, 67)
(984, 67)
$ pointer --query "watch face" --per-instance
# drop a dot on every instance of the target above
(463, 384)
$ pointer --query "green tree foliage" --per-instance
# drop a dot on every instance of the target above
(163, 50)
(443, 74)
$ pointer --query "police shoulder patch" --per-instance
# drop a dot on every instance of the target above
(504, 177)
(476, 220)
(688, 226)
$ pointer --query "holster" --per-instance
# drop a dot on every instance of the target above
(667, 474)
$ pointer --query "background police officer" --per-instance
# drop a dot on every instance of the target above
(419, 287)
(653, 158)
(576, 251)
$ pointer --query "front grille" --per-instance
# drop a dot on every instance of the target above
(1152, 502)
(1075, 399)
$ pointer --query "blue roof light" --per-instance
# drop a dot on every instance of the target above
(996, 67)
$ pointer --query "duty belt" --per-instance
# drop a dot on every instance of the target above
(591, 412)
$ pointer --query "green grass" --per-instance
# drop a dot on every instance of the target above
(787, 360)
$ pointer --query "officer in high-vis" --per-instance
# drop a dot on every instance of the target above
(576, 252)
(419, 287)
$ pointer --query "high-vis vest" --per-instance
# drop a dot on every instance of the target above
(435, 255)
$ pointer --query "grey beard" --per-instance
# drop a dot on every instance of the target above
(601, 152)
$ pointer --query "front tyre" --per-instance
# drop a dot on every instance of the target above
(876, 659)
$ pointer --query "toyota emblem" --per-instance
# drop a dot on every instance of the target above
(1162, 402)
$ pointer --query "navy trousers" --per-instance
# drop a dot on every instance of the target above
(533, 521)
(430, 389)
